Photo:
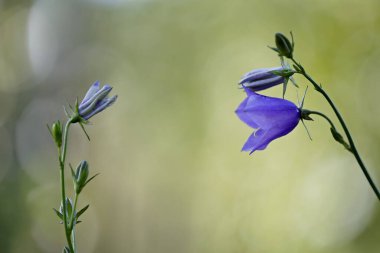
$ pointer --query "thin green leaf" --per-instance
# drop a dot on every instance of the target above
(72, 171)
(49, 130)
(58, 213)
(91, 179)
(82, 211)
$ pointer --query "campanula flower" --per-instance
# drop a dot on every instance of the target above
(270, 117)
(261, 79)
(95, 101)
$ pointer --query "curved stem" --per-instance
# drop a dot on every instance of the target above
(337, 136)
(62, 159)
(322, 115)
(353, 149)
(64, 144)
(308, 112)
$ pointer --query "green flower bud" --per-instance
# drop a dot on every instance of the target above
(56, 133)
(284, 46)
(69, 207)
(339, 138)
(81, 175)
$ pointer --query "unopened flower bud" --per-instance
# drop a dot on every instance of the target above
(284, 46)
(56, 133)
(95, 101)
(339, 138)
(261, 79)
(69, 207)
(81, 176)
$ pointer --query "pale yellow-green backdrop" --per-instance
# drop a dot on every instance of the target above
(173, 178)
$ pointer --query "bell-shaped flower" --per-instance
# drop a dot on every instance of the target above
(270, 117)
(95, 101)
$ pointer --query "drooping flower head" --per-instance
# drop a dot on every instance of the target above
(95, 100)
(270, 117)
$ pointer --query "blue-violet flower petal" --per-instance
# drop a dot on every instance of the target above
(270, 117)
(95, 100)
(261, 79)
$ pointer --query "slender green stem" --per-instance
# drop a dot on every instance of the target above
(74, 208)
(353, 149)
(62, 159)
(73, 239)
(64, 144)
(73, 221)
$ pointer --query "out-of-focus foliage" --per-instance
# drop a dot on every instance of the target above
(173, 178)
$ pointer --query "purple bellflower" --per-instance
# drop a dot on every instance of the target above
(95, 100)
(261, 79)
(271, 117)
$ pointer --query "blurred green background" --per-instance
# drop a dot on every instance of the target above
(173, 178)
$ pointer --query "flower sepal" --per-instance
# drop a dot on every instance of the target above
(305, 114)
(74, 115)
(284, 72)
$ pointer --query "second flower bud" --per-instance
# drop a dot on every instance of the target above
(80, 176)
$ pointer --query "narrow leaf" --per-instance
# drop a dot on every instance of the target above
(58, 213)
(49, 130)
(72, 172)
(82, 211)
(91, 179)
